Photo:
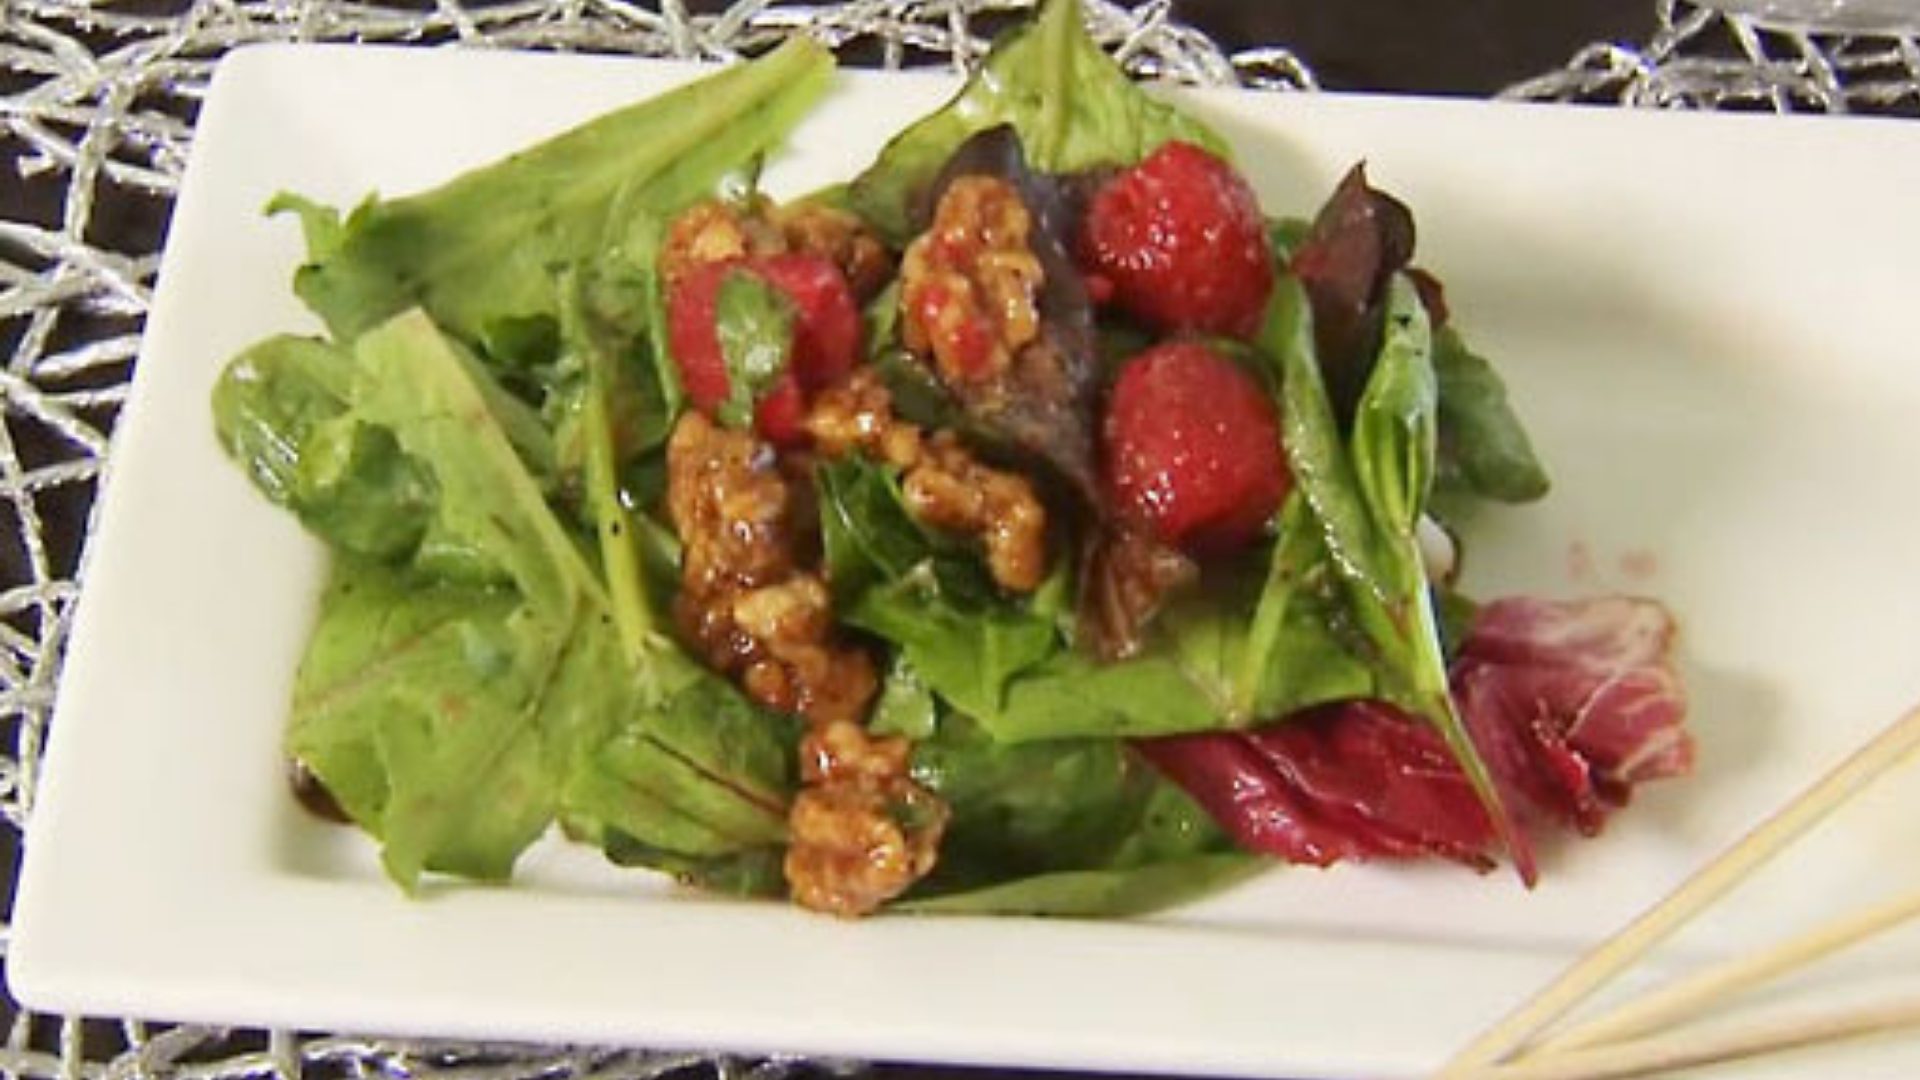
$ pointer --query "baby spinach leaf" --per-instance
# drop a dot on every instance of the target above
(1059, 827)
(931, 600)
(1316, 453)
(869, 536)
(1071, 695)
(1300, 646)
(1396, 425)
(966, 652)
(1024, 808)
(379, 634)
(416, 383)
(905, 706)
(1484, 448)
(1074, 109)
(1093, 894)
(480, 253)
(694, 774)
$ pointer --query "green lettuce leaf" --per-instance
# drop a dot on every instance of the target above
(690, 775)
(482, 252)
(455, 722)
(409, 707)
(1073, 107)
(281, 410)
(391, 645)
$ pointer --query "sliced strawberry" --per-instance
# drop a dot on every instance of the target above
(1193, 448)
(826, 337)
(693, 336)
(781, 415)
(1181, 240)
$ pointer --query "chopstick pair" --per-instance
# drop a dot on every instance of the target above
(1618, 1044)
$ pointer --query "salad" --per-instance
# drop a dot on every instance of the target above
(1034, 523)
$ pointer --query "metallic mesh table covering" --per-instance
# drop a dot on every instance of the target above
(97, 101)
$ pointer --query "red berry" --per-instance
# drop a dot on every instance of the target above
(693, 336)
(1193, 448)
(1181, 238)
(781, 415)
(826, 337)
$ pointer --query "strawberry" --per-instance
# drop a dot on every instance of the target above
(1193, 448)
(826, 337)
(1180, 242)
(693, 336)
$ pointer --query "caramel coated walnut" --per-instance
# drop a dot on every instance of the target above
(743, 605)
(950, 490)
(861, 832)
(969, 284)
(715, 231)
(729, 505)
(841, 238)
(856, 417)
(798, 667)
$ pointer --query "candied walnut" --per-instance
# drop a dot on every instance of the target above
(840, 237)
(797, 667)
(729, 505)
(842, 751)
(970, 283)
(797, 609)
(856, 416)
(743, 604)
(1129, 575)
(862, 831)
(950, 490)
(716, 231)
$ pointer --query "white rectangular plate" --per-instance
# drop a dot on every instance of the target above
(1709, 321)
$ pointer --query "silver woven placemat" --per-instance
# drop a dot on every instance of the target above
(96, 109)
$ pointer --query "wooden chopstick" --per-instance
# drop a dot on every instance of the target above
(1659, 922)
(1688, 997)
(1659, 1054)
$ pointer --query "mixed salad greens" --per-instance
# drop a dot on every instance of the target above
(481, 438)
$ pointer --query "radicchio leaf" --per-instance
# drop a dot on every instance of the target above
(1571, 704)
